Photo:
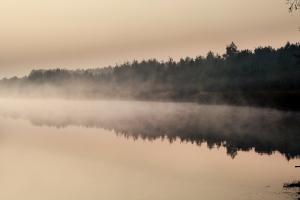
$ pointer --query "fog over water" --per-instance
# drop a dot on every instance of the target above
(233, 127)
(149, 100)
(66, 149)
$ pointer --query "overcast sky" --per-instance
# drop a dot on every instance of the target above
(96, 33)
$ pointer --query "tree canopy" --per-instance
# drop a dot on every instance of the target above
(265, 71)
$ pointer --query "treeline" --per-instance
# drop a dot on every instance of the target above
(265, 76)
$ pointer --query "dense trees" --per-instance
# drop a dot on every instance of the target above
(265, 73)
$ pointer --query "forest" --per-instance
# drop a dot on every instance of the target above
(266, 77)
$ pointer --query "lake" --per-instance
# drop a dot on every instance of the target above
(118, 150)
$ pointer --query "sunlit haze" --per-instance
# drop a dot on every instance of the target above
(96, 33)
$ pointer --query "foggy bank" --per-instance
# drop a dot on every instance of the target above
(264, 77)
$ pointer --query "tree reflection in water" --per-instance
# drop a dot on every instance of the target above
(235, 128)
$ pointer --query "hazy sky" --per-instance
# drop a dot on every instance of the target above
(96, 33)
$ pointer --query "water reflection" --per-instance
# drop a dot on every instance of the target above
(235, 128)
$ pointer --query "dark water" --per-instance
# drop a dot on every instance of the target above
(60, 149)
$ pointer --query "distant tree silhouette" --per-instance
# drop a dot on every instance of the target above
(231, 50)
(264, 77)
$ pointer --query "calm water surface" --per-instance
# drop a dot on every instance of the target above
(116, 150)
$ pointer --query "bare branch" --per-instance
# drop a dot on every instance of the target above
(293, 5)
